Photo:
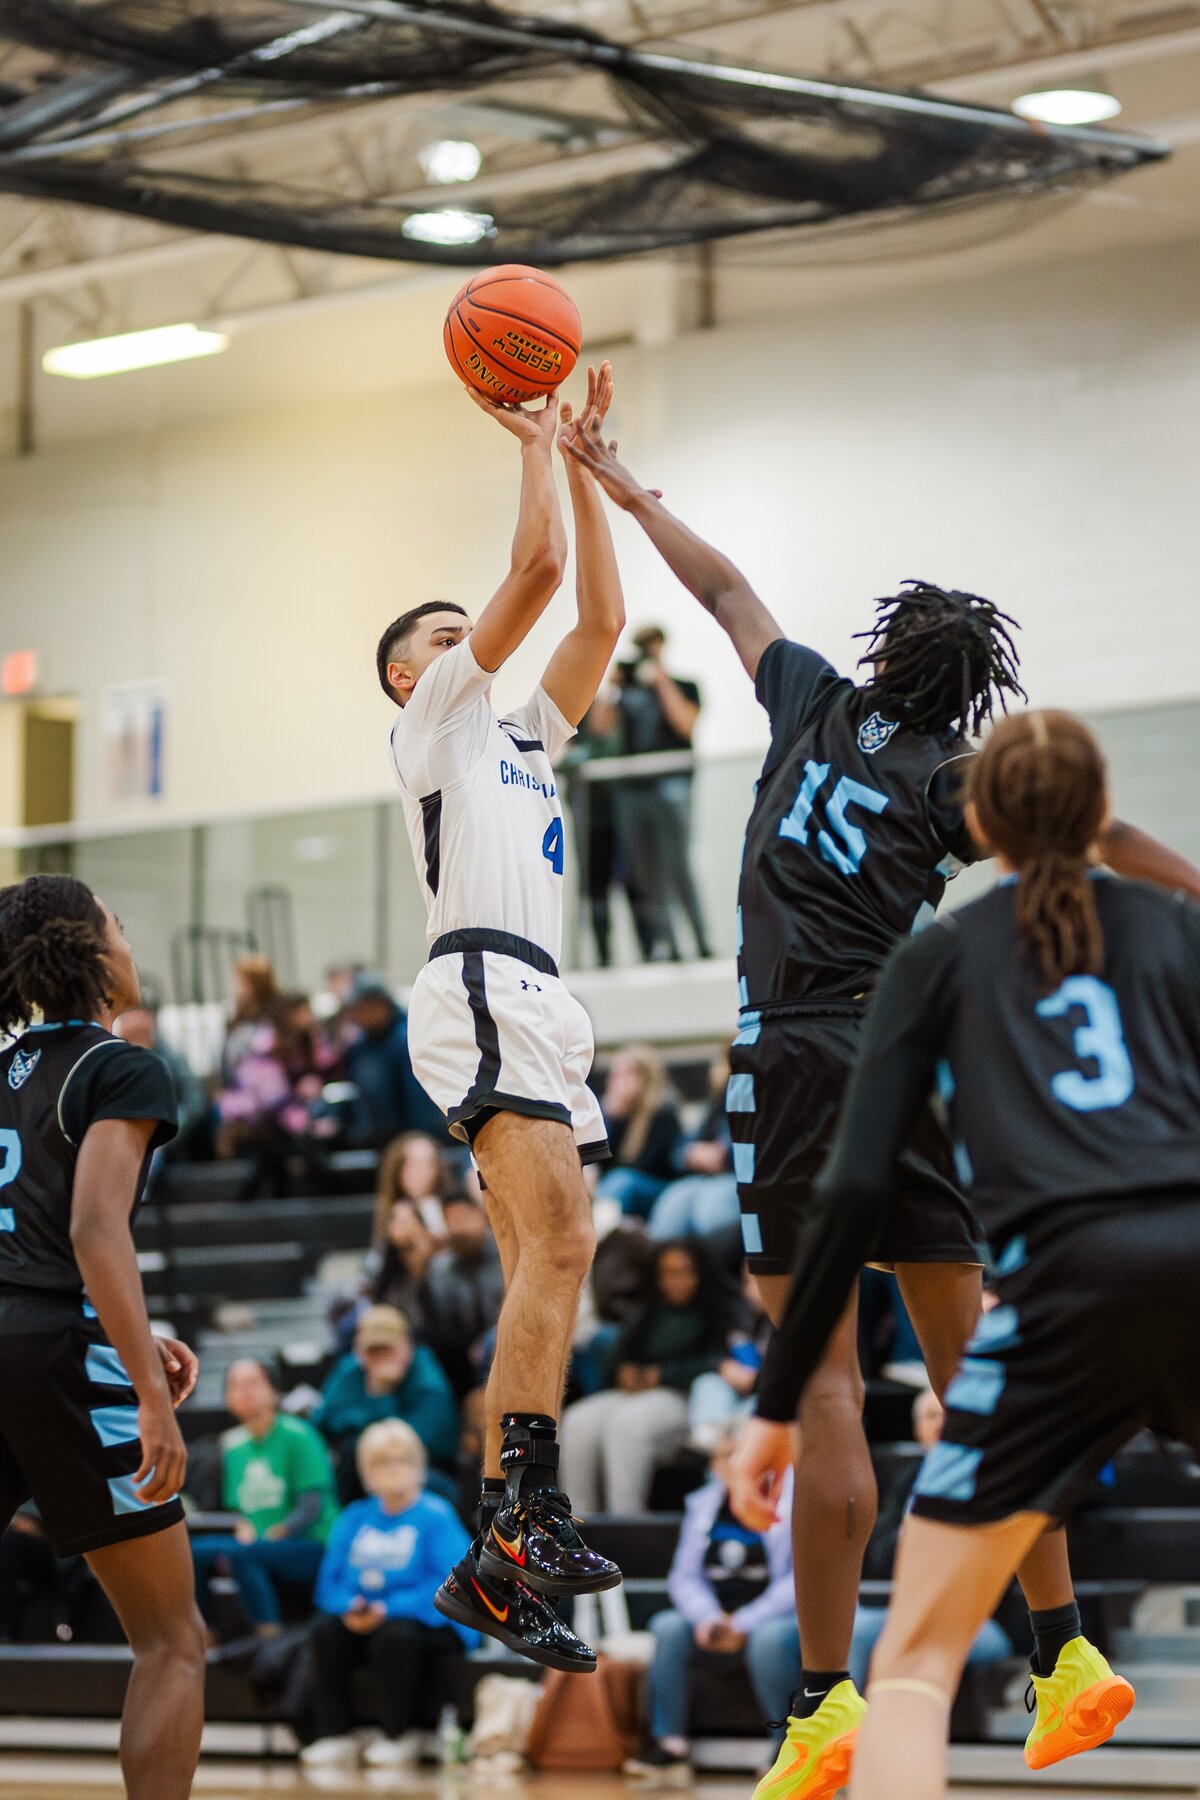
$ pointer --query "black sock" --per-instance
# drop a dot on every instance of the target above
(530, 1454)
(815, 1685)
(1053, 1630)
(491, 1499)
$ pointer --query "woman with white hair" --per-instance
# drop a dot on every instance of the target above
(375, 1594)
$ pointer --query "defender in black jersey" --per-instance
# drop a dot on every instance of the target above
(87, 1395)
(1060, 1015)
(856, 826)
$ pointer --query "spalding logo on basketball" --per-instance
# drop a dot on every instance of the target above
(513, 333)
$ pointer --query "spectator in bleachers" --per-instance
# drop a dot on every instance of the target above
(613, 1441)
(385, 1559)
(718, 1400)
(268, 1108)
(732, 1596)
(255, 994)
(993, 1643)
(194, 1140)
(644, 1131)
(276, 1475)
(433, 1255)
(704, 1199)
(389, 1098)
(387, 1376)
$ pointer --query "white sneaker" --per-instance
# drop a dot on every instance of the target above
(394, 1753)
(334, 1752)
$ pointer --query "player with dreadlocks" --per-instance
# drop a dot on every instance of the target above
(87, 1393)
(857, 824)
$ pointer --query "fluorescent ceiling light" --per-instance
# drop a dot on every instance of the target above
(133, 350)
(449, 227)
(1067, 106)
(453, 159)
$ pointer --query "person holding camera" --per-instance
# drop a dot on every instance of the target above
(654, 812)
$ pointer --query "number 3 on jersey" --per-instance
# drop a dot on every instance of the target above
(552, 845)
(848, 855)
(1101, 1040)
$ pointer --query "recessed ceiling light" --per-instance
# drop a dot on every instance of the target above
(447, 228)
(133, 350)
(453, 159)
(1067, 106)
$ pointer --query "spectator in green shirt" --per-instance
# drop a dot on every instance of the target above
(388, 1376)
(276, 1475)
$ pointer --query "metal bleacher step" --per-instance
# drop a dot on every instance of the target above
(1132, 1648)
(1168, 1726)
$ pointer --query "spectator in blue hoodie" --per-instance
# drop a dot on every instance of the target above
(387, 1376)
(374, 1596)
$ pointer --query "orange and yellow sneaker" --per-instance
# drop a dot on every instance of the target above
(1078, 1707)
(815, 1756)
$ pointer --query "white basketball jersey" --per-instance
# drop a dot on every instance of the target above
(481, 803)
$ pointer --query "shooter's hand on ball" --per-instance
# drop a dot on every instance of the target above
(586, 443)
(756, 1473)
(535, 428)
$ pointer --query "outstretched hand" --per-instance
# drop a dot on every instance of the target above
(583, 441)
(595, 408)
(531, 427)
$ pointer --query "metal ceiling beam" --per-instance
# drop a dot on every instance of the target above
(52, 106)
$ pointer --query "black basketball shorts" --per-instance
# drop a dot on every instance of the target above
(68, 1426)
(788, 1079)
(1096, 1335)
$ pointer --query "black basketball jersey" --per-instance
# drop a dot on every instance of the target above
(855, 829)
(1090, 1092)
(1087, 1097)
(55, 1081)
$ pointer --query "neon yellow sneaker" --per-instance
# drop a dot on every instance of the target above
(1078, 1707)
(814, 1758)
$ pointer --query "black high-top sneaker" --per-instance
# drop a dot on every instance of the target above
(533, 1538)
(514, 1615)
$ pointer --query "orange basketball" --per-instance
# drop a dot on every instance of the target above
(513, 333)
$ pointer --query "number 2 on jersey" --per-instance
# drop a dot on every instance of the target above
(848, 855)
(552, 845)
(1101, 1040)
(10, 1168)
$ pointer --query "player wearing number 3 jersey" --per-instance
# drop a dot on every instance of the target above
(496, 1039)
(857, 823)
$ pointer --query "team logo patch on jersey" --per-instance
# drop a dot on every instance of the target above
(874, 733)
(21, 1068)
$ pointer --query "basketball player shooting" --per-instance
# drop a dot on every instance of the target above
(496, 1039)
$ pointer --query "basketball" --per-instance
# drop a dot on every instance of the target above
(513, 333)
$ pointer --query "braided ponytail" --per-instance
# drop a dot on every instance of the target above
(51, 951)
(1040, 792)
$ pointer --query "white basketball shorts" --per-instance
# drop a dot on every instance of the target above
(491, 1028)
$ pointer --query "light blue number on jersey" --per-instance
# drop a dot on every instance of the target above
(552, 845)
(1101, 1040)
(846, 793)
(10, 1149)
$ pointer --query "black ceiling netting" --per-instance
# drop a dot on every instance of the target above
(728, 152)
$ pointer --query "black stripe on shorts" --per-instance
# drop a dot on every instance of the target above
(487, 1038)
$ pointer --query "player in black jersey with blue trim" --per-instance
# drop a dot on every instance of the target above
(87, 1394)
(857, 824)
(1061, 1014)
